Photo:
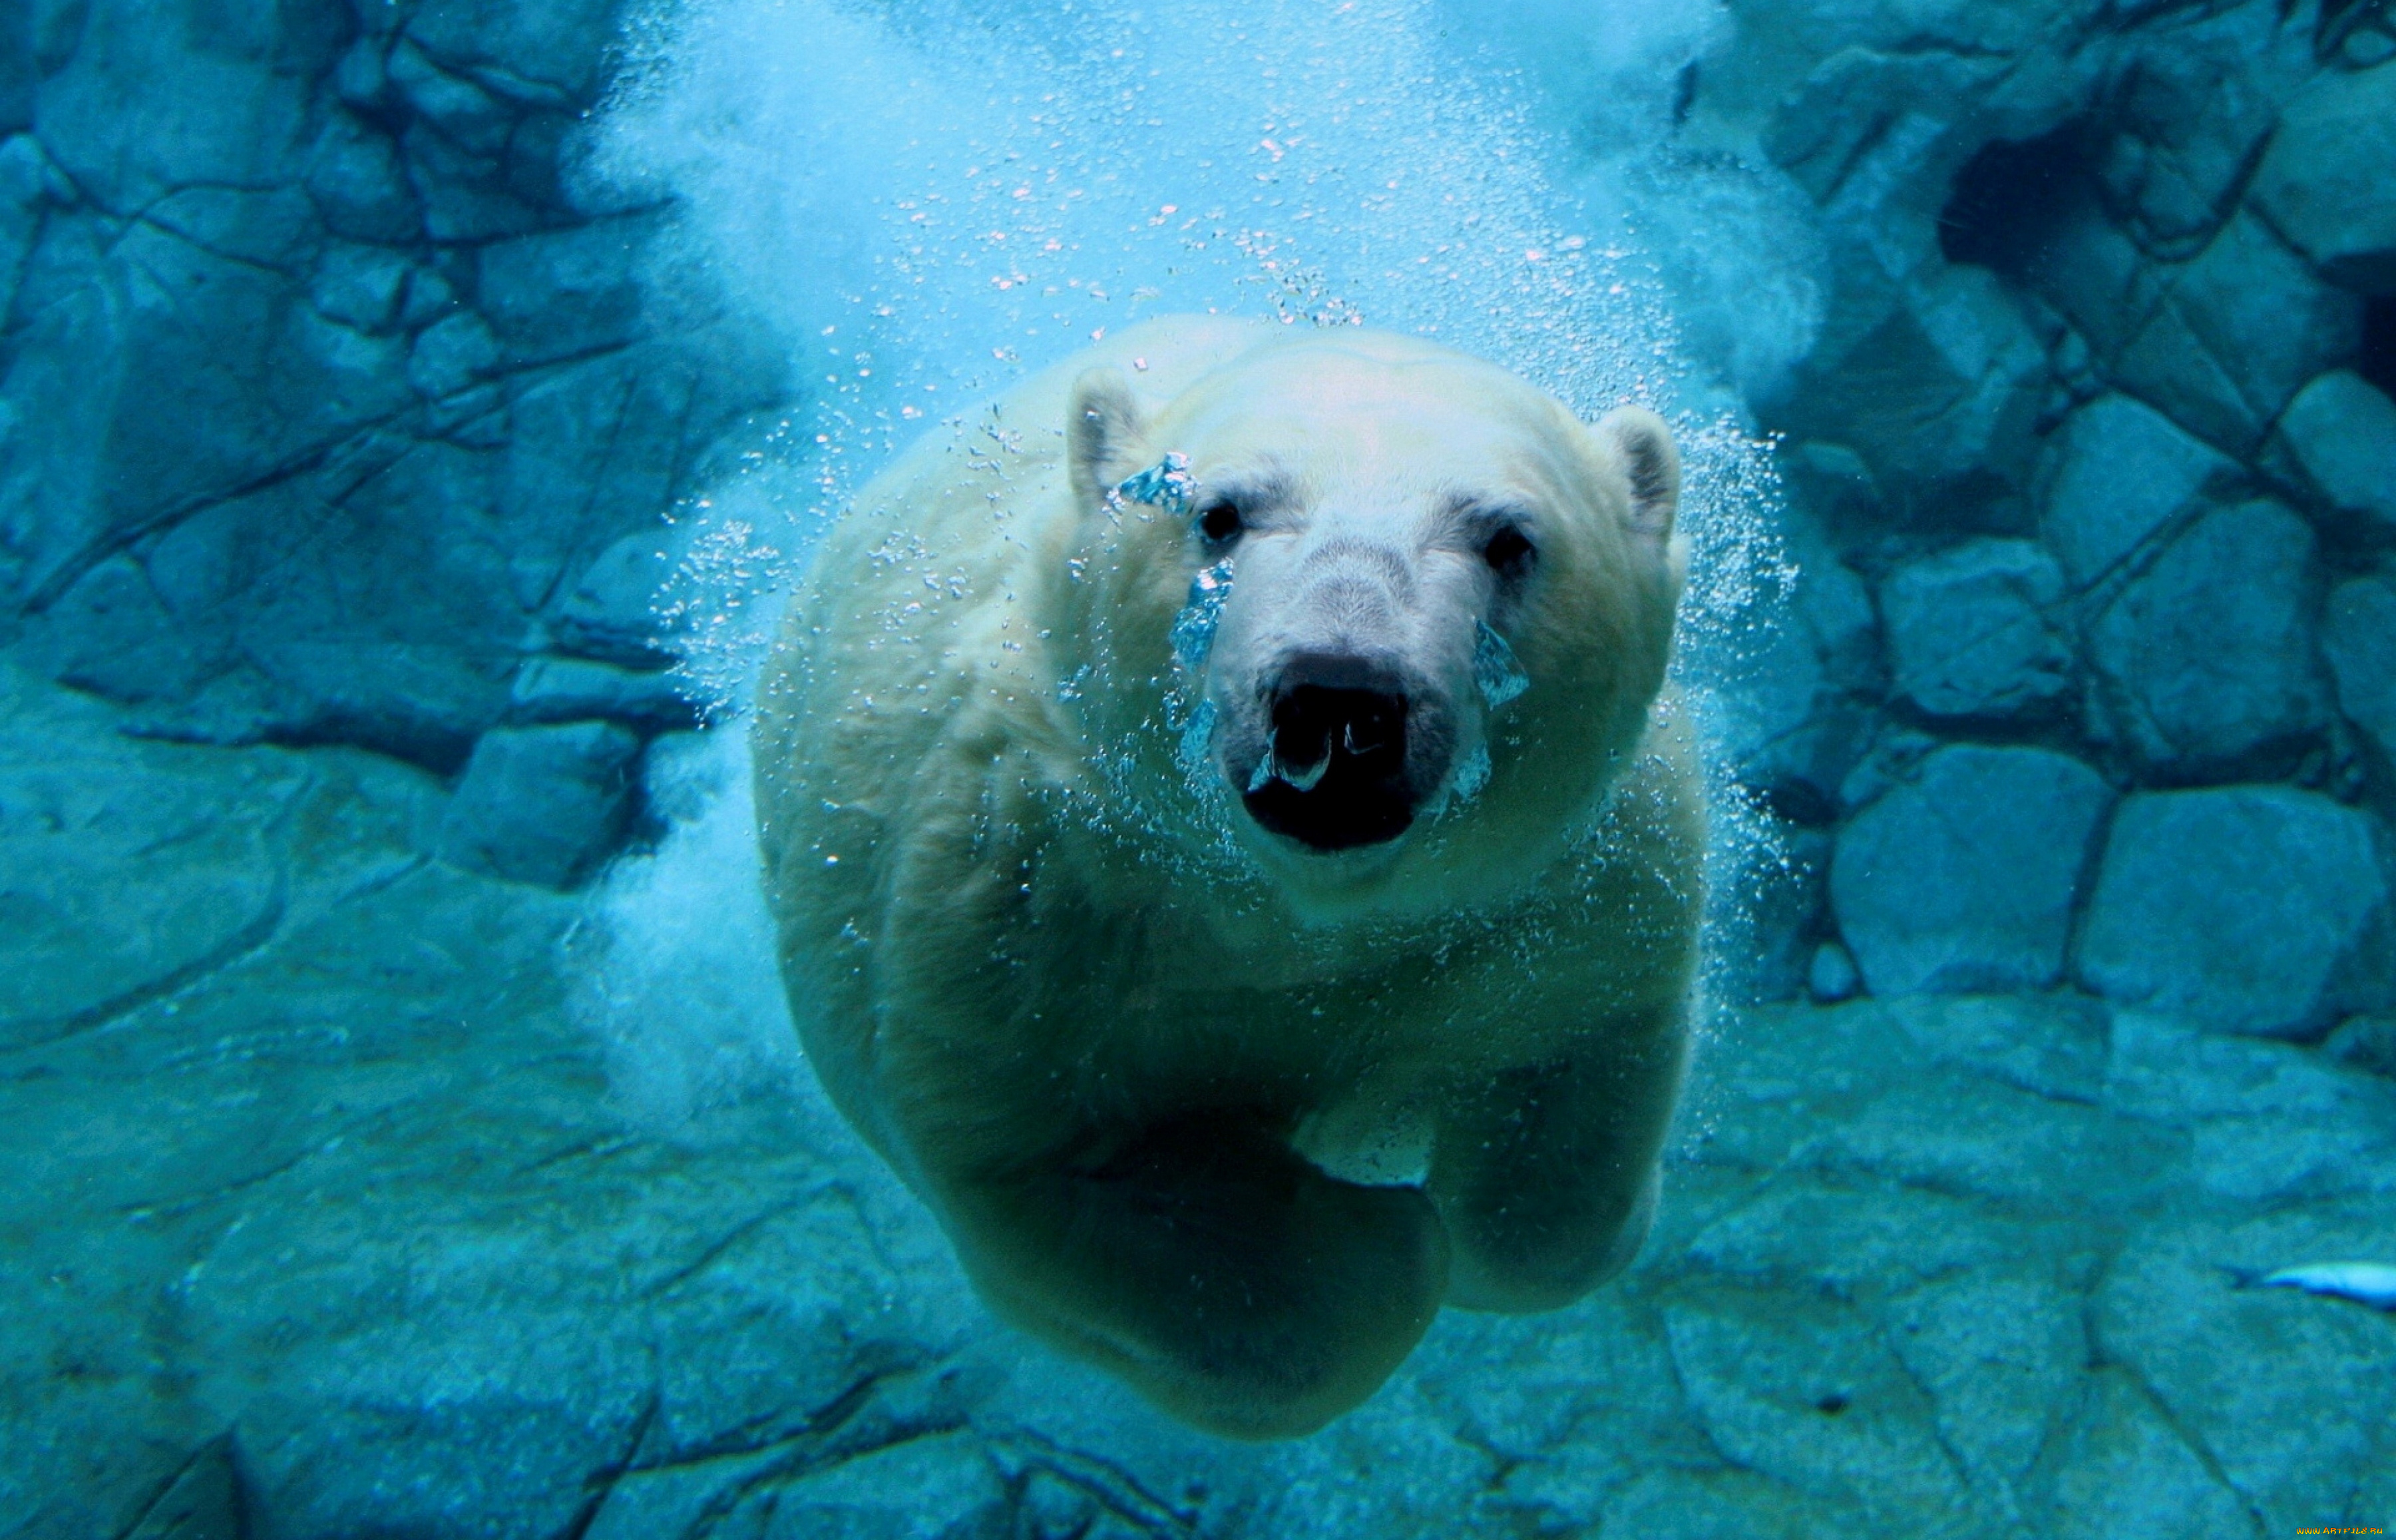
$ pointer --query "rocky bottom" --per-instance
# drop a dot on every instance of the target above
(323, 1220)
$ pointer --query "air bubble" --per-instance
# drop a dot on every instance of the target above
(1193, 628)
(1497, 672)
(1472, 774)
(1198, 739)
(1166, 484)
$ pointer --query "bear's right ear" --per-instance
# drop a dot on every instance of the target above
(1643, 446)
(1103, 433)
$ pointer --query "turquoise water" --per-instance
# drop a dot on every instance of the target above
(415, 420)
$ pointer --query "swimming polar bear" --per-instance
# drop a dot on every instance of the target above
(1234, 856)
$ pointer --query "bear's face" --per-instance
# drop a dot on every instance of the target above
(1425, 596)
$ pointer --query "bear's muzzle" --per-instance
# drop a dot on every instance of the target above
(1350, 752)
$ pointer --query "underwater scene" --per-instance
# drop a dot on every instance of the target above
(1197, 769)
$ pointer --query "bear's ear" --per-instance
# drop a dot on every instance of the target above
(1642, 445)
(1102, 434)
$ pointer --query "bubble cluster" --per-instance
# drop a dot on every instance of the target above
(1496, 672)
(1166, 484)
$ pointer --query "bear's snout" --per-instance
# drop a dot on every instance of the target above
(1350, 752)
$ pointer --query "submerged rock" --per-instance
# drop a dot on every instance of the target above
(2114, 477)
(1964, 878)
(2189, 114)
(2237, 332)
(2364, 1042)
(542, 804)
(1957, 432)
(2338, 440)
(2260, 909)
(609, 614)
(571, 689)
(2326, 183)
(2358, 637)
(2204, 661)
(1831, 975)
(1973, 631)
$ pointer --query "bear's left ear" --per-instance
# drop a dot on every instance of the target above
(1103, 433)
(1643, 446)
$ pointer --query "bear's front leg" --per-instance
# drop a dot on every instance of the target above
(1205, 1262)
(1546, 1177)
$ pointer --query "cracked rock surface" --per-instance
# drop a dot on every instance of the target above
(324, 385)
(325, 1222)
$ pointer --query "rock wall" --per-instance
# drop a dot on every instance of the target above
(333, 404)
(2094, 475)
(334, 407)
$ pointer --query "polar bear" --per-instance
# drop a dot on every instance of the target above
(1234, 856)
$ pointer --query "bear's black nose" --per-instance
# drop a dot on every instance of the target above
(1334, 775)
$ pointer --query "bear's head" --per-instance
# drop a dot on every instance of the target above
(1412, 610)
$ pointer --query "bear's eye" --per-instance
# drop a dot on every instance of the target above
(1220, 523)
(1508, 551)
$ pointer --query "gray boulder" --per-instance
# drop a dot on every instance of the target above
(1831, 976)
(2114, 477)
(263, 388)
(601, 446)
(142, 99)
(2359, 638)
(1962, 879)
(2261, 909)
(2235, 333)
(1972, 633)
(1767, 947)
(2186, 118)
(565, 293)
(609, 614)
(2337, 439)
(2102, 282)
(2204, 661)
(387, 627)
(1958, 430)
(452, 354)
(360, 185)
(125, 870)
(2329, 180)
(460, 108)
(26, 189)
(575, 689)
(2365, 1042)
(547, 55)
(360, 287)
(542, 804)
(112, 635)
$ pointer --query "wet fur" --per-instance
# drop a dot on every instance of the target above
(1139, 1083)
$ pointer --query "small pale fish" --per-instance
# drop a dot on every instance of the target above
(2372, 1283)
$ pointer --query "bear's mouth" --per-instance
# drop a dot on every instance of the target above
(1333, 776)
